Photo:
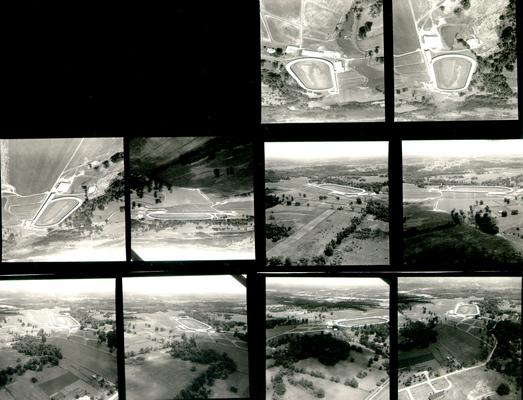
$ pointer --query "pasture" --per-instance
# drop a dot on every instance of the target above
(159, 376)
(473, 383)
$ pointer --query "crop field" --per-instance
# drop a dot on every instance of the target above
(153, 378)
(459, 344)
(405, 32)
(414, 357)
(36, 164)
(314, 74)
(76, 355)
(451, 73)
(58, 383)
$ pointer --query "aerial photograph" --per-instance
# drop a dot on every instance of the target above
(327, 338)
(322, 61)
(459, 338)
(463, 202)
(62, 199)
(326, 203)
(455, 60)
(58, 340)
(186, 337)
(192, 198)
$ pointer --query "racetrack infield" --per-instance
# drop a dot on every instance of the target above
(451, 73)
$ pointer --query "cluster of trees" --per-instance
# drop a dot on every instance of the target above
(358, 182)
(307, 385)
(271, 200)
(82, 219)
(271, 323)
(379, 209)
(376, 8)
(328, 349)
(219, 367)
(287, 261)
(485, 222)
(506, 358)
(325, 306)
(277, 232)
(489, 75)
(344, 233)
(108, 338)
(364, 29)
(417, 334)
(41, 354)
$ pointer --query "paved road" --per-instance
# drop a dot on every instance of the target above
(291, 240)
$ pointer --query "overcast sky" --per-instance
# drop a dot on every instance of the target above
(324, 150)
(483, 281)
(462, 148)
(60, 286)
(335, 282)
(204, 284)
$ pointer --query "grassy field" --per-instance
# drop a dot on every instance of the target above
(9, 357)
(36, 164)
(414, 357)
(86, 357)
(288, 9)
(159, 376)
(405, 33)
(430, 236)
(473, 383)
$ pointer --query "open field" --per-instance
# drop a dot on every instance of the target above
(85, 358)
(315, 215)
(405, 31)
(152, 378)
